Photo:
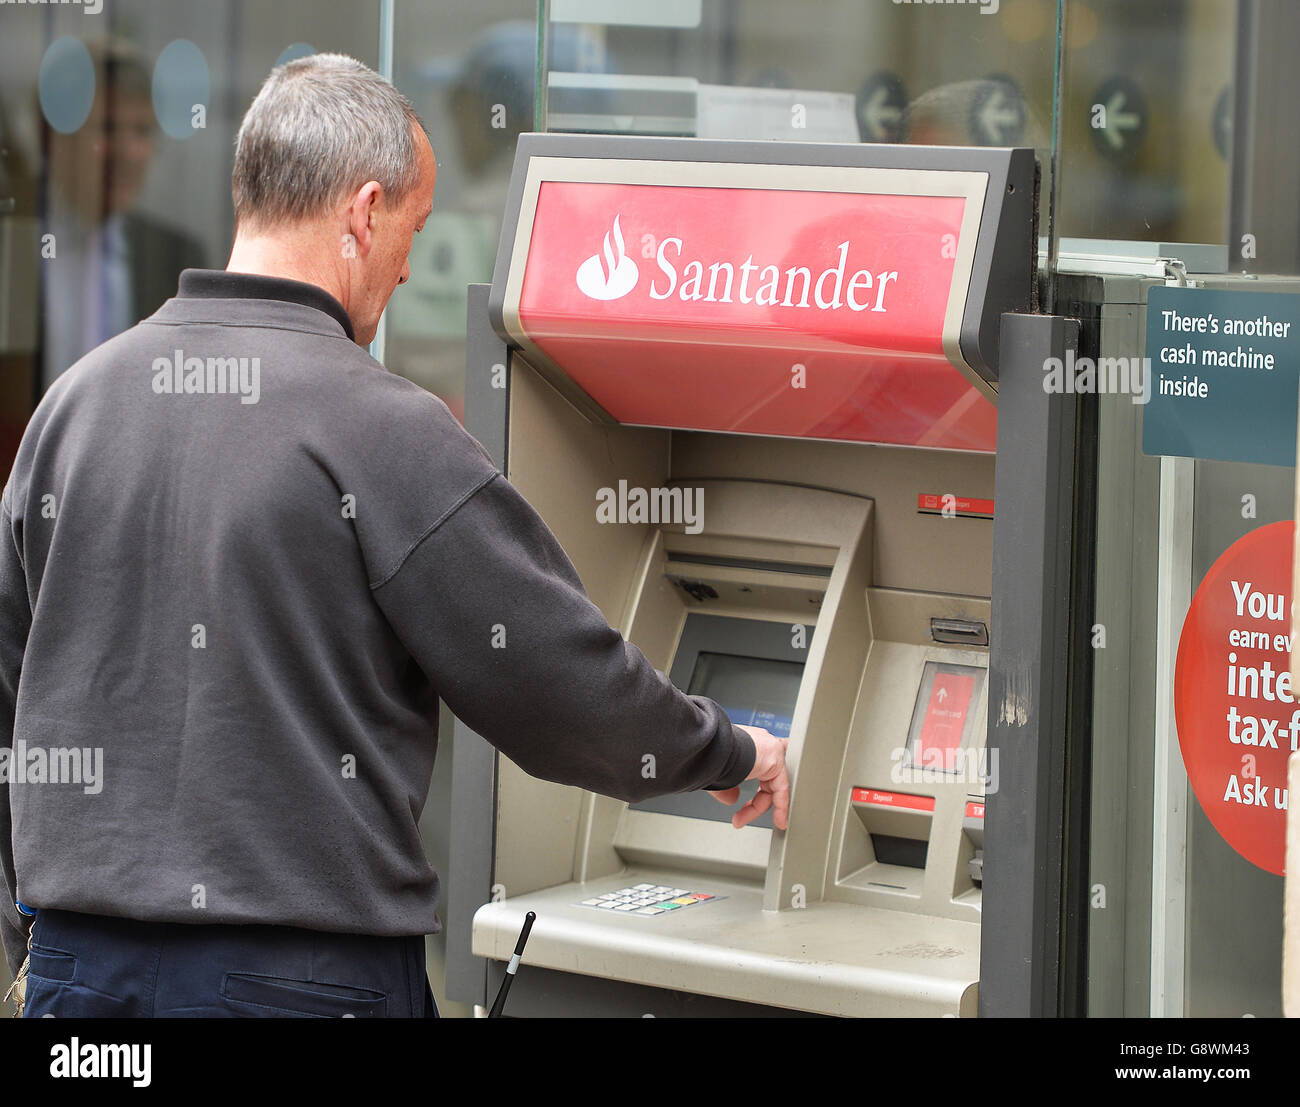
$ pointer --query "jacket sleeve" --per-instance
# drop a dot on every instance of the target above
(492, 609)
(15, 622)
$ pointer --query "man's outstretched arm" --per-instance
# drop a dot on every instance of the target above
(494, 612)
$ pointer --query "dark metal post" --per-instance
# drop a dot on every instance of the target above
(1020, 954)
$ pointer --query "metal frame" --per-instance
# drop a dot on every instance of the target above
(1029, 675)
(1169, 821)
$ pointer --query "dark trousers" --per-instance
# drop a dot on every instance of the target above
(93, 966)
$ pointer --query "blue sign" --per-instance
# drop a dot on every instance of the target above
(1222, 375)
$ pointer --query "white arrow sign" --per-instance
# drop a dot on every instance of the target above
(996, 114)
(1119, 120)
(878, 114)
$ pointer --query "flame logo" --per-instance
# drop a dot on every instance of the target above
(611, 276)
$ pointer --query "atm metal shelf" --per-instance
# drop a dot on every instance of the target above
(830, 958)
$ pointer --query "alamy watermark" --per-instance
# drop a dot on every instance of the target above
(1127, 376)
(651, 505)
(179, 375)
(940, 766)
(23, 764)
(102, 1060)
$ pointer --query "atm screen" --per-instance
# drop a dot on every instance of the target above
(754, 691)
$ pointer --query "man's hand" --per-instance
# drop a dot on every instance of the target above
(773, 783)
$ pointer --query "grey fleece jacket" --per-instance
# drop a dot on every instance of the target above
(226, 618)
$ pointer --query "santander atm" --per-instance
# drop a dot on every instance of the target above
(753, 388)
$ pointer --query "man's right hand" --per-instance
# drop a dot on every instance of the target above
(773, 782)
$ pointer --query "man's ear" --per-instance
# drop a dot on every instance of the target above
(362, 213)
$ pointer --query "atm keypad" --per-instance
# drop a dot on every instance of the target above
(647, 899)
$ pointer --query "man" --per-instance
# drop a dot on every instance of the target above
(240, 564)
(111, 264)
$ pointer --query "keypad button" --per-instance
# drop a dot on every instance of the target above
(646, 899)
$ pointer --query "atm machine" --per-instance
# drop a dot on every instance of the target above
(751, 387)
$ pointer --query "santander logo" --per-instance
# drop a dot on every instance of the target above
(828, 284)
(616, 277)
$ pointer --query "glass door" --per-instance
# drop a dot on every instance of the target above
(1178, 248)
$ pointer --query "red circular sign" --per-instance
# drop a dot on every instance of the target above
(1238, 717)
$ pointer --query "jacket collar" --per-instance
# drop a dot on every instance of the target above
(218, 284)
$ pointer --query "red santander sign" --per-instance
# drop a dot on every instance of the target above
(825, 314)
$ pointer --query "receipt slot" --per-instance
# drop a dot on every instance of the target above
(750, 387)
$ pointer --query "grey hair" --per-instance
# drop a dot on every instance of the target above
(320, 128)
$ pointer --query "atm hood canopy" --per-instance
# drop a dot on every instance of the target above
(849, 292)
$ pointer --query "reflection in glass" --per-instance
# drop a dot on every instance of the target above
(106, 264)
(181, 89)
(67, 84)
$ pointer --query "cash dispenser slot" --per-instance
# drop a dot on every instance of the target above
(897, 828)
(751, 564)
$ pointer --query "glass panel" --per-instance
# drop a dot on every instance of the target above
(117, 126)
(1169, 176)
(470, 72)
(977, 74)
(753, 691)
(1146, 131)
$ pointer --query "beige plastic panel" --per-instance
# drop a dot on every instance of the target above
(924, 553)
(800, 925)
(648, 838)
(820, 727)
(831, 958)
(875, 760)
(905, 616)
(558, 460)
(747, 520)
